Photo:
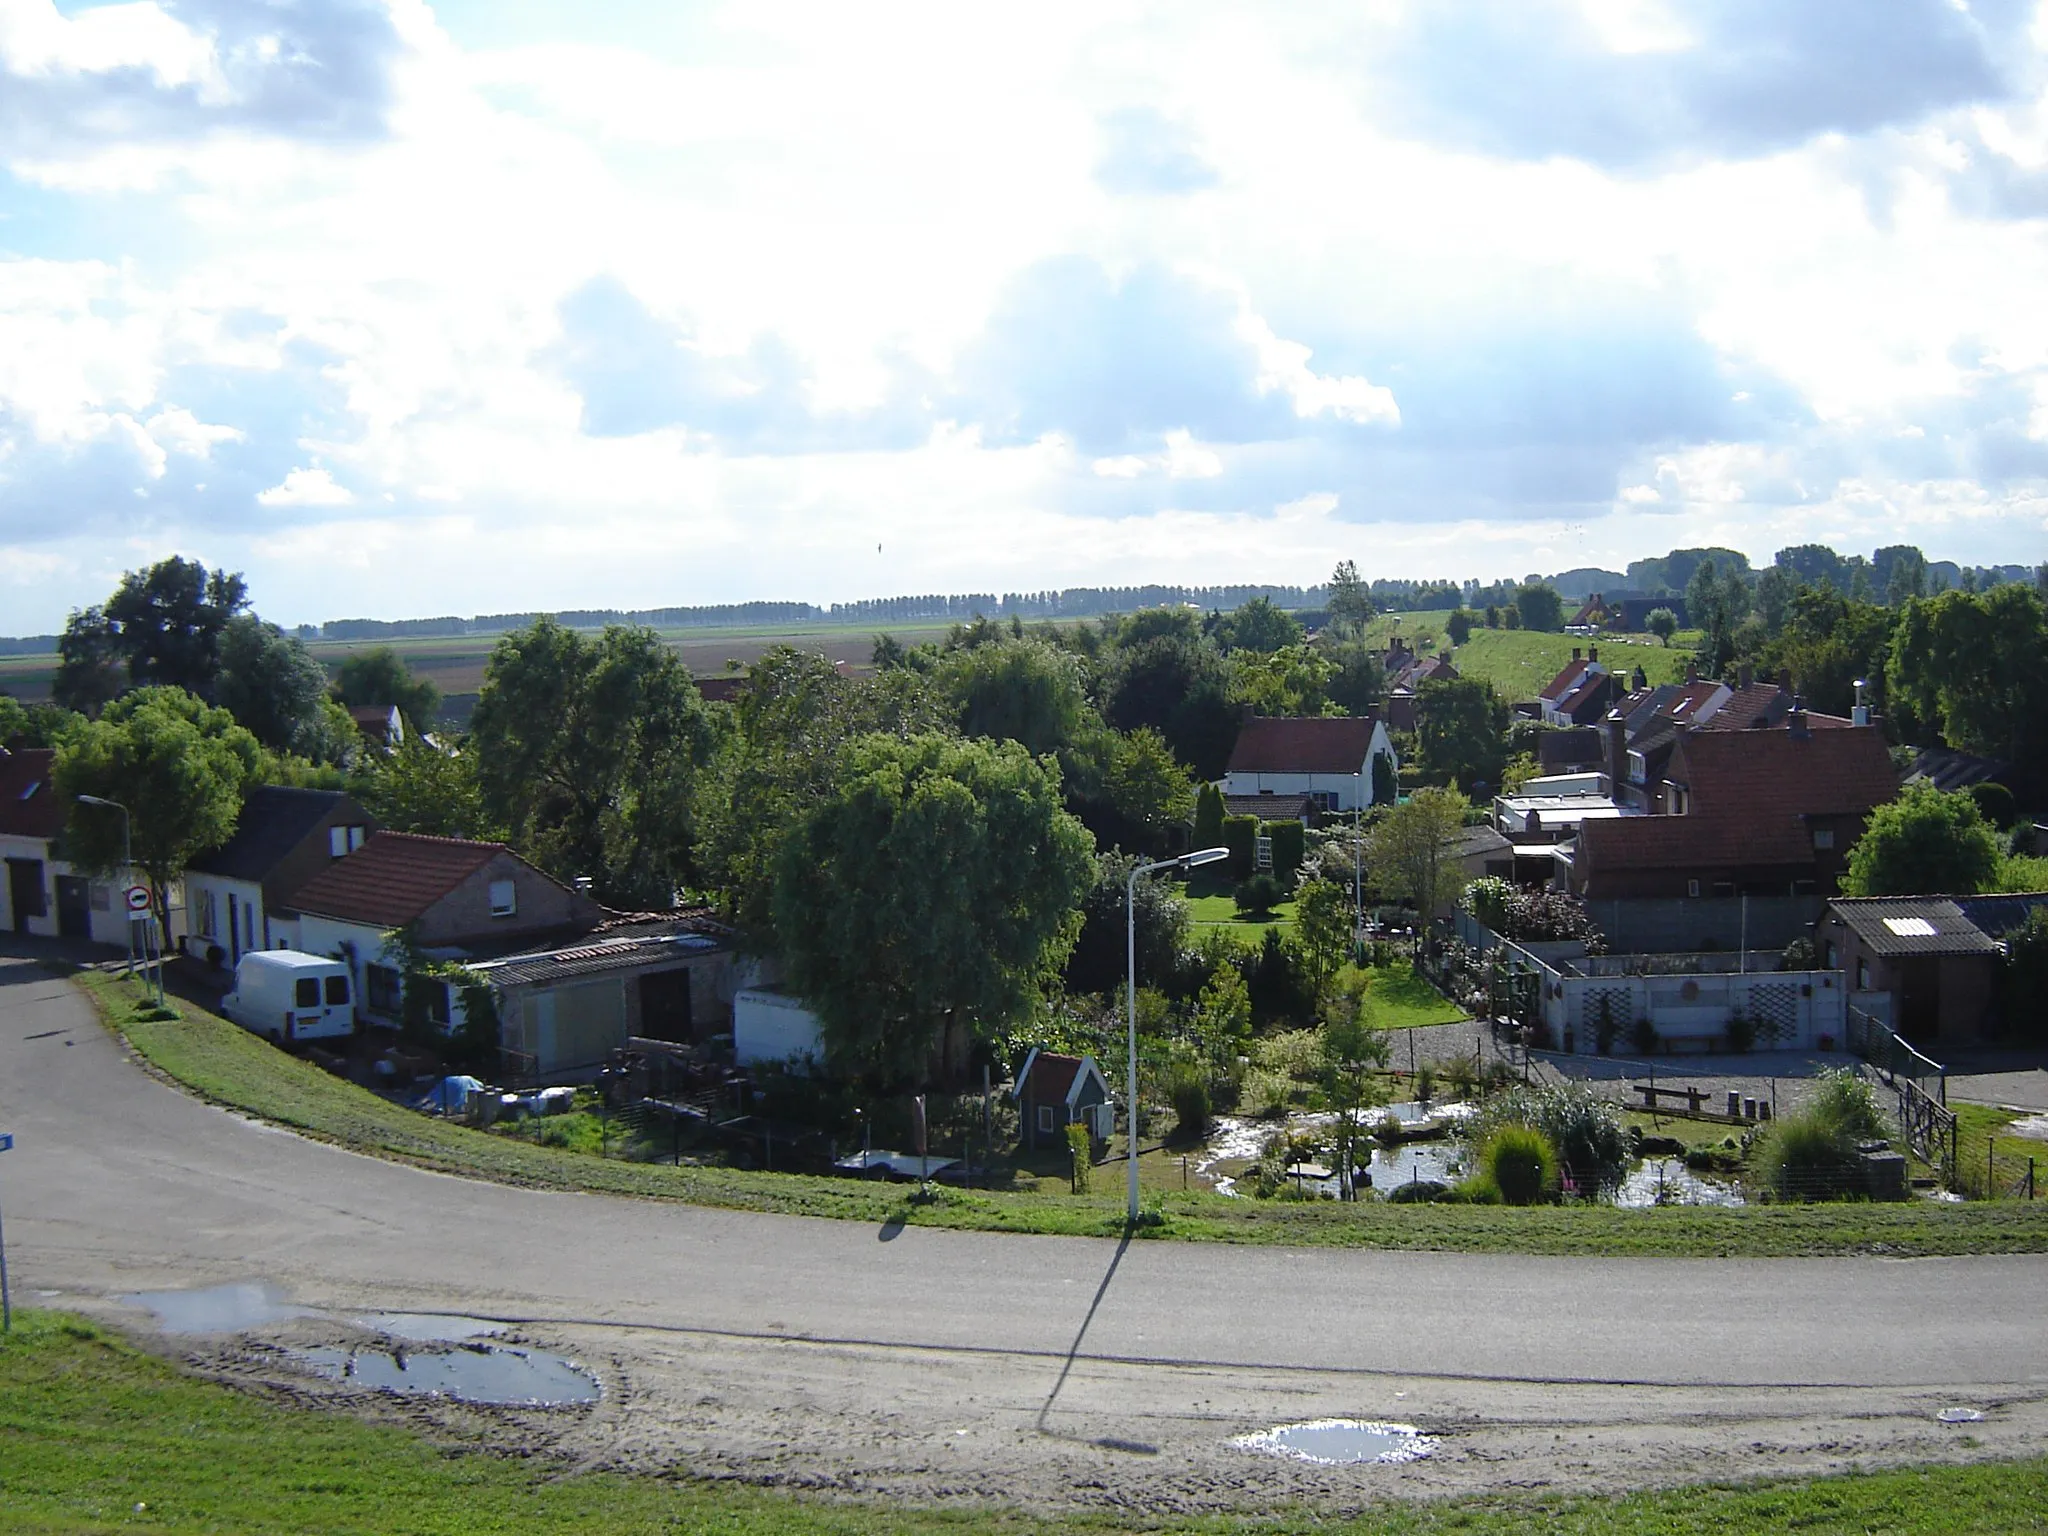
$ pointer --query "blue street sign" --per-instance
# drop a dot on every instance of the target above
(6, 1142)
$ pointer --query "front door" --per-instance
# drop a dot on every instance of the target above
(665, 1006)
(25, 891)
(74, 907)
(1919, 1000)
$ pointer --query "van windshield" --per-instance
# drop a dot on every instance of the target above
(337, 991)
(306, 994)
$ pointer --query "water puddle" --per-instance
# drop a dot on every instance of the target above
(1960, 1416)
(1667, 1181)
(218, 1308)
(430, 1327)
(495, 1375)
(1338, 1442)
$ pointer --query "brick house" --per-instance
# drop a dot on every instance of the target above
(42, 892)
(1329, 760)
(1743, 813)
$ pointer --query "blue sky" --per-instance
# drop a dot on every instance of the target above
(406, 308)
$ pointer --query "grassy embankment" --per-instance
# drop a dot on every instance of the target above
(229, 1066)
(97, 1436)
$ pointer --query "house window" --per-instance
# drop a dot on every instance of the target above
(306, 992)
(1862, 974)
(1692, 887)
(437, 1002)
(1827, 955)
(1724, 888)
(504, 899)
(1045, 1118)
(385, 990)
(209, 917)
(337, 842)
(355, 838)
(1823, 839)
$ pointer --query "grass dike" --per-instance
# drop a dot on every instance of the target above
(226, 1065)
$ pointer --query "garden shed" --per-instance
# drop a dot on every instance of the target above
(1054, 1092)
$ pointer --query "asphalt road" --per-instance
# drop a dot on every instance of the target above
(120, 1183)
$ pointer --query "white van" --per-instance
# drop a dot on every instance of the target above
(284, 994)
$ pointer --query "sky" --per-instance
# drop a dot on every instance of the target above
(497, 305)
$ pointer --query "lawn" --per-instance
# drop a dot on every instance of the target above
(1520, 662)
(1211, 903)
(96, 1435)
(1401, 999)
(228, 1065)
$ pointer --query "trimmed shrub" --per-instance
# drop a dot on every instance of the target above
(1241, 837)
(1741, 1033)
(1520, 1162)
(1191, 1107)
(1585, 1131)
(1208, 817)
(1261, 893)
(1290, 842)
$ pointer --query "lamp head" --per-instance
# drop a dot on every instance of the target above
(111, 805)
(1205, 856)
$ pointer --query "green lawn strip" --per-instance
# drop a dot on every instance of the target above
(1977, 1124)
(1401, 999)
(226, 1064)
(1518, 662)
(96, 1435)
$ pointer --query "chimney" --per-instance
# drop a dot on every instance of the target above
(1575, 653)
(1795, 718)
(1745, 675)
(1592, 653)
(1617, 752)
(1692, 671)
(1861, 713)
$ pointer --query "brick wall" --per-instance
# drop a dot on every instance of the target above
(464, 914)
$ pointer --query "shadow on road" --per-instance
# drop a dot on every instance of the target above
(1107, 1443)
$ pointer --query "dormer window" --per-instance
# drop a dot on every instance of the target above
(504, 899)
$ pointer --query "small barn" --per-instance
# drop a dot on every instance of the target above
(1054, 1092)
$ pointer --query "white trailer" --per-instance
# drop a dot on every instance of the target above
(286, 994)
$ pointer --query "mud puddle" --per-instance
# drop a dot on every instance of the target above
(1341, 1442)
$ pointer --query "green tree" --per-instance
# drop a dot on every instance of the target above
(1413, 851)
(424, 788)
(1148, 790)
(927, 900)
(1976, 667)
(791, 724)
(1458, 627)
(1208, 817)
(1540, 607)
(1350, 602)
(1024, 691)
(1462, 725)
(588, 751)
(1359, 685)
(270, 682)
(1924, 843)
(1165, 676)
(1099, 960)
(1717, 602)
(1258, 626)
(38, 725)
(1662, 623)
(1323, 927)
(1351, 1054)
(1291, 682)
(380, 676)
(1386, 784)
(91, 669)
(179, 767)
(163, 624)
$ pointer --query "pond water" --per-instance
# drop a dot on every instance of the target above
(1234, 1138)
(1336, 1442)
(473, 1373)
(1677, 1184)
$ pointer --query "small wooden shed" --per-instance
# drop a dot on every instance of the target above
(1054, 1092)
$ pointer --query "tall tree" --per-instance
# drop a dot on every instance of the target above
(1461, 724)
(1099, 958)
(164, 623)
(925, 901)
(1258, 626)
(1540, 606)
(1351, 602)
(1024, 691)
(1925, 843)
(1413, 851)
(179, 767)
(1352, 1053)
(380, 676)
(270, 682)
(419, 787)
(1174, 681)
(91, 667)
(1717, 600)
(1976, 666)
(1149, 791)
(588, 751)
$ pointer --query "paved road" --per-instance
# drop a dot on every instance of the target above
(120, 1183)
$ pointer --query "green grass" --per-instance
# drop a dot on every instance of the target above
(1520, 662)
(1403, 1000)
(228, 1065)
(97, 1436)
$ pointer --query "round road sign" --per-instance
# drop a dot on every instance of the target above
(138, 898)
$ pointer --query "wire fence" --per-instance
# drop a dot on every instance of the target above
(1992, 1172)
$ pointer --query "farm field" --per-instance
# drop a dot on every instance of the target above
(1518, 662)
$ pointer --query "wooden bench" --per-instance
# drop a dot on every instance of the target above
(1653, 1096)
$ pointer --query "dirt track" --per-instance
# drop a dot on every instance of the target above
(1050, 1372)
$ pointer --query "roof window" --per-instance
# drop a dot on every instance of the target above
(1910, 927)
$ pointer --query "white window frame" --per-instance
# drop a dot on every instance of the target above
(504, 895)
(1045, 1120)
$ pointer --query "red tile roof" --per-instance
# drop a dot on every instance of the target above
(1565, 681)
(1051, 1077)
(1303, 746)
(29, 804)
(393, 878)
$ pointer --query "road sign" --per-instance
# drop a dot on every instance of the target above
(138, 898)
(6, 1142)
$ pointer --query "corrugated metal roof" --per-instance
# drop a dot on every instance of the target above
(595, 959)
(1913, 925)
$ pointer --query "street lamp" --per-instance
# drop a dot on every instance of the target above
(128, 873)
(1185, 861)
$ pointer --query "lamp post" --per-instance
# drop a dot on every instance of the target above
(127, 866)
(1185, 861)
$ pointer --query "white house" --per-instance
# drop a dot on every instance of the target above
(1328, 760)
(43, 893)
(237, 898)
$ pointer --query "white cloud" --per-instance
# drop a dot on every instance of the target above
(307, 488)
